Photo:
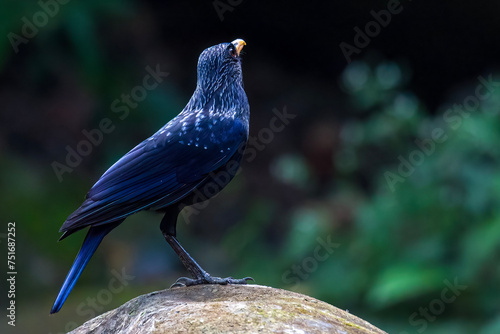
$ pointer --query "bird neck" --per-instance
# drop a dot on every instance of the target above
(229, 100)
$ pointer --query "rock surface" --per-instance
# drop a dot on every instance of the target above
(226, 309)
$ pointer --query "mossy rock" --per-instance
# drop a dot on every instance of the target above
(226, 309)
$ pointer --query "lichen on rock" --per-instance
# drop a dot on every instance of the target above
(226, 309)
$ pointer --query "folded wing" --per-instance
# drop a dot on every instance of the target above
(160, 171)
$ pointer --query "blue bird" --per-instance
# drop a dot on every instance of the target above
(187, 161)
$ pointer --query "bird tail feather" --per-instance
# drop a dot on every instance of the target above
(90, 244)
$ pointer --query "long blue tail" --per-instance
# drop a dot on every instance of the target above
(90, 244)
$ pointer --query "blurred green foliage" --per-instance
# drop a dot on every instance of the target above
(438, 225)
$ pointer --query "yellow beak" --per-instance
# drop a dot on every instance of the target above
(238, 44)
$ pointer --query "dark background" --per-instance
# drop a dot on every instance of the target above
(323, 177)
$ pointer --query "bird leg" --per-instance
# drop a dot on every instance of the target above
(199, 275)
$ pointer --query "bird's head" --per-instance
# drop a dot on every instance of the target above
(220, 65)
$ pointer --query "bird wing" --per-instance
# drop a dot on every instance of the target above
(162, 169)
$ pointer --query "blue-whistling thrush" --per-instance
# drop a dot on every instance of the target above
(177, 166)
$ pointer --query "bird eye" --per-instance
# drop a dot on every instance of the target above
(232, 50)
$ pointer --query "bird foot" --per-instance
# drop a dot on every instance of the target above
(185, 281)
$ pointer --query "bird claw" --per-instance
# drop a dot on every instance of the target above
(185, 281)
(178, 283)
